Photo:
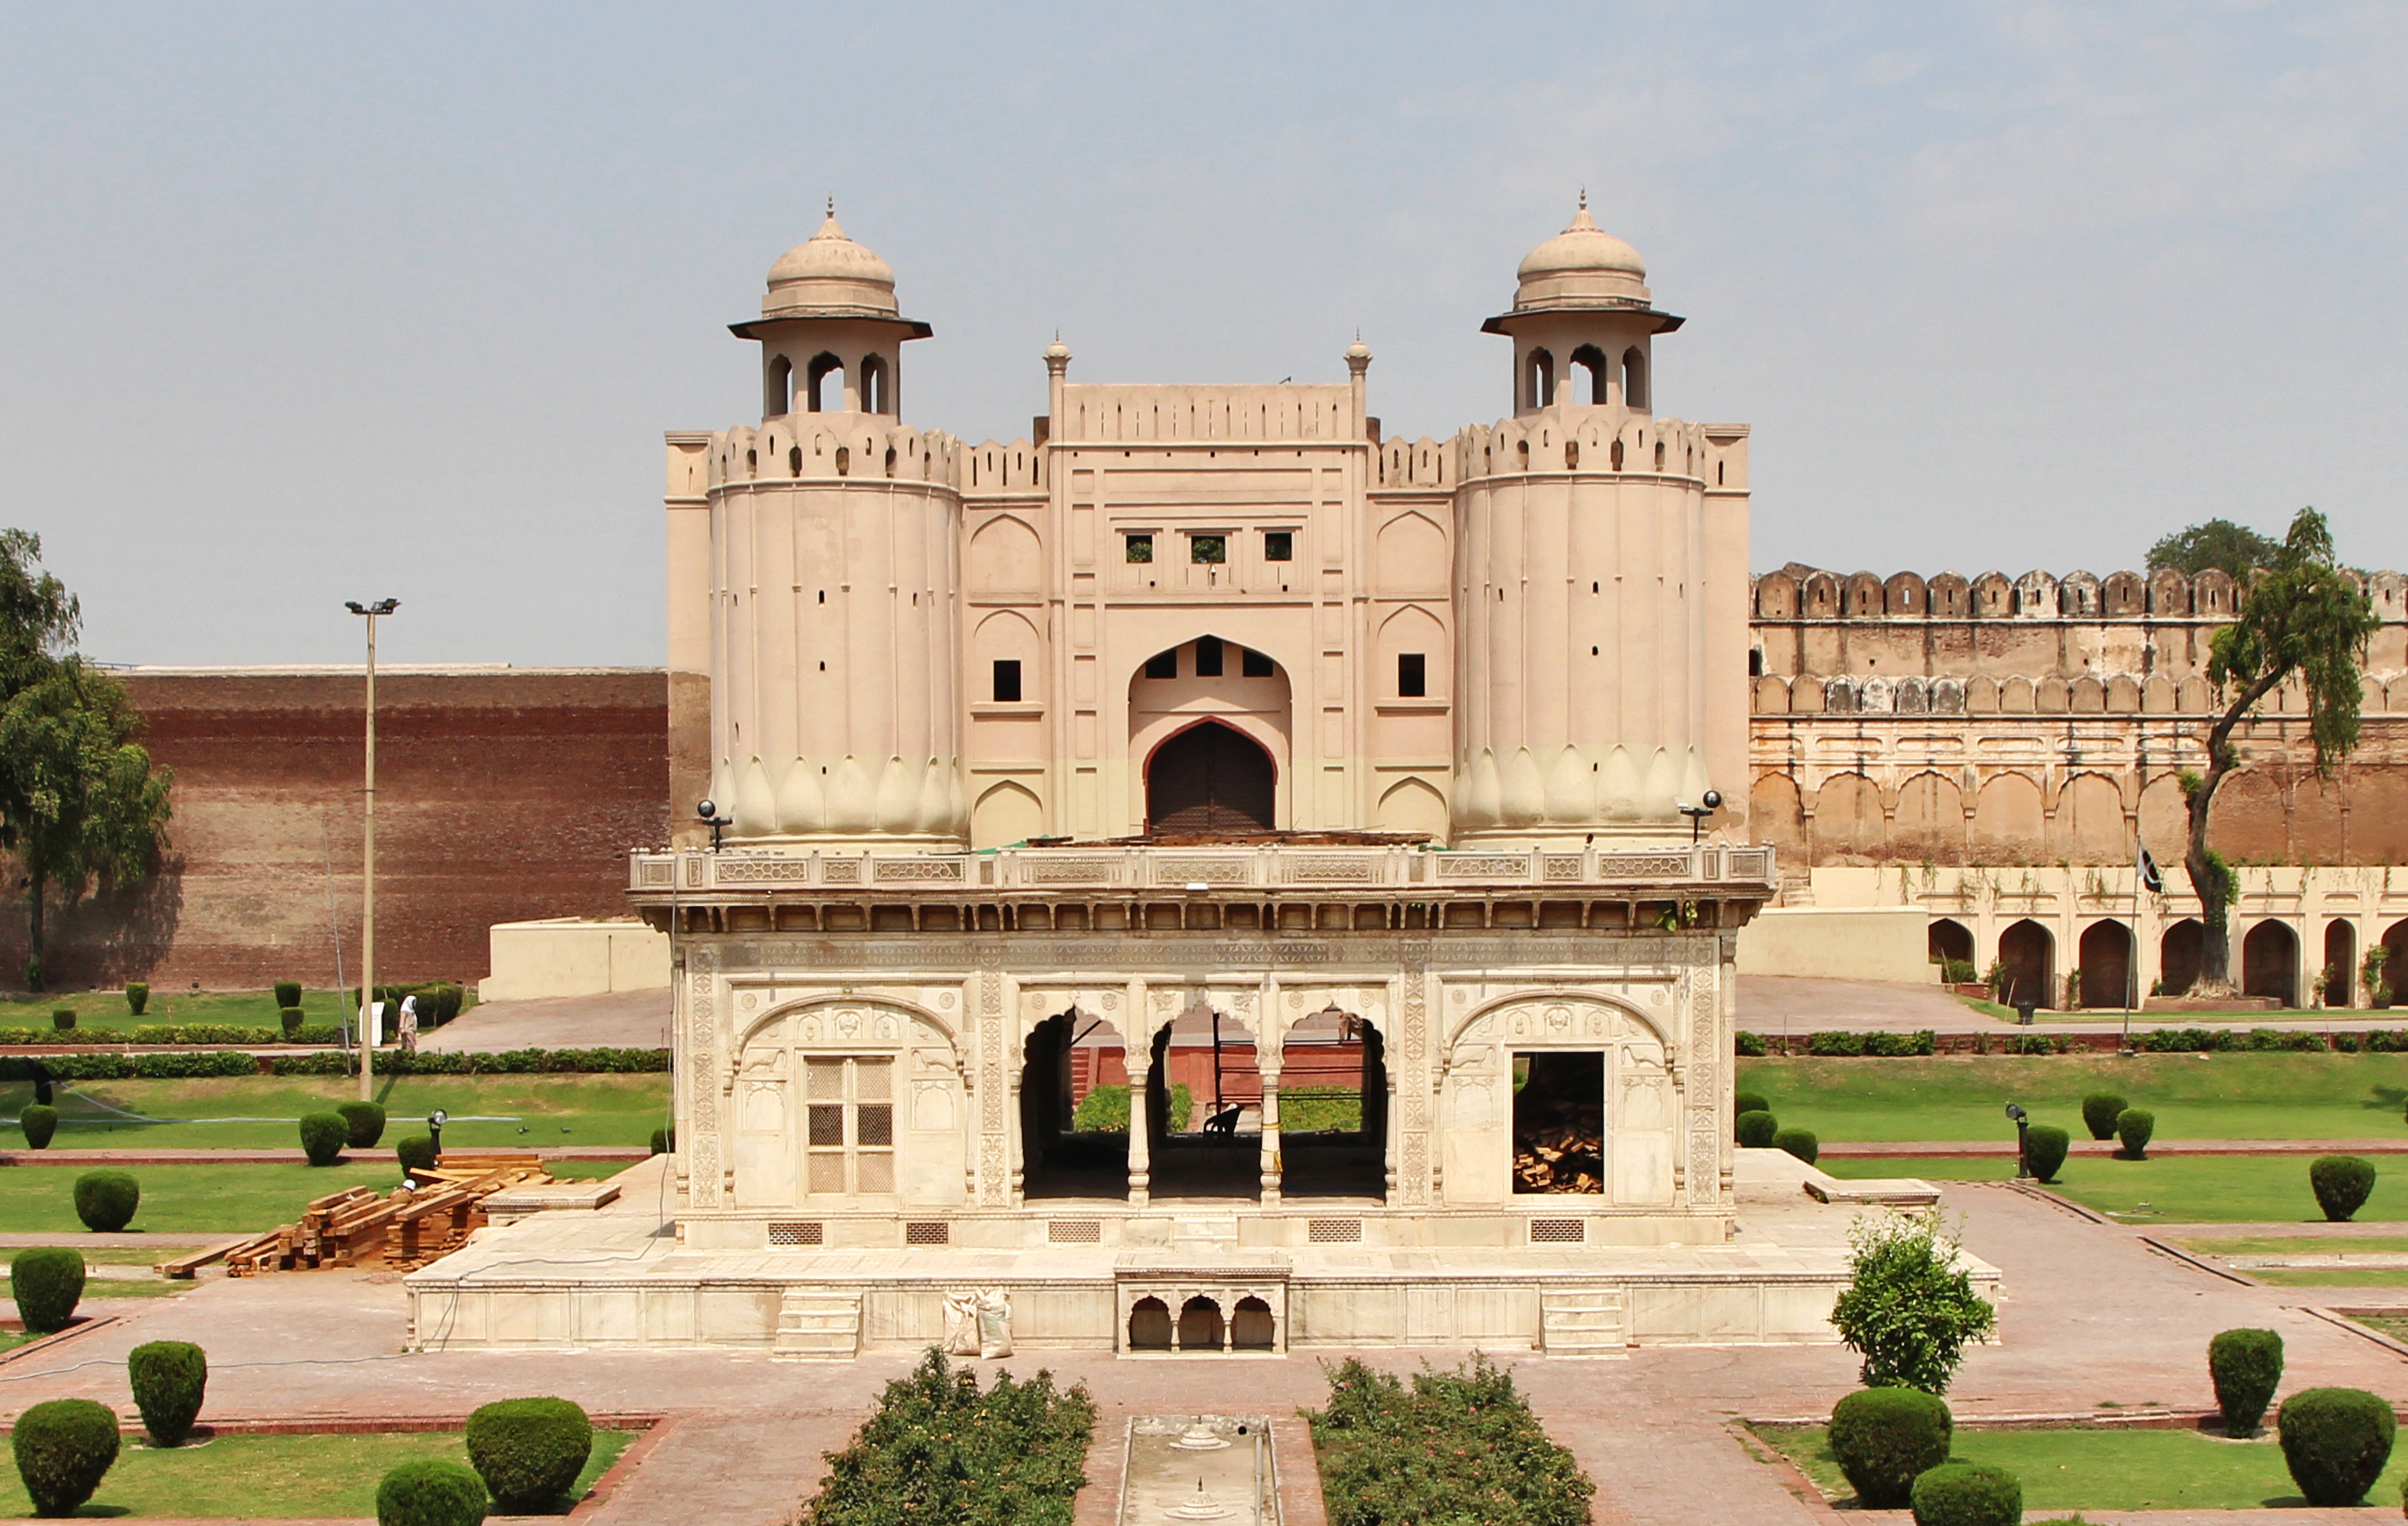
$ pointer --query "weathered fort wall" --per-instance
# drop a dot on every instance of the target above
(502, 794)
(2044, 720)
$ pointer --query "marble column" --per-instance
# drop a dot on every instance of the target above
(1137, 1052)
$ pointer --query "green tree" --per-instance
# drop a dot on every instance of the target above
(79, 802)
(2300, 615)
(1908, 1307)
(2218, 543)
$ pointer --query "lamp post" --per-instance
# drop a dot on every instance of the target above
(1711, 802)
(2023, 1140)
(367, 859)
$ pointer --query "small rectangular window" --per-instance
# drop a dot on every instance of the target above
(1253, 664)
(1208, 656)
(1413, 675)
(1208, 549)
(1279, 545)
(1163, 664)
(1006, 680)
(1138, 548)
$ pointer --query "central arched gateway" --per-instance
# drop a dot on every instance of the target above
(1210, 778)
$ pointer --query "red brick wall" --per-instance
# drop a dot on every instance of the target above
(501, 795)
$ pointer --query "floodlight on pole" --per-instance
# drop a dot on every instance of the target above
(368, 857)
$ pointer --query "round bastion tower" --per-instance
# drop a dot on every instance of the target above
(835, 551)
(1586, 697)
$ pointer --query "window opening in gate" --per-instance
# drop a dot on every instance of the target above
(1559, 1121)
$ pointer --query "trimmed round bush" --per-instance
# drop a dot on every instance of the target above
(529, 1452)
(2341, 1182)
(2246, 1365)
(169, 1379)
(63, 1019)
(137, 996)
(364, 1123)
(64, 1449)
(2335, 1442)
(2099, 1111)
(2134, 1126)
(1885, 1438)
(1801, 1143)
(39, 1124)
(106, 1200)
(663, 1140)
(430, 1494)
(1756, 1130)
(291, 1018)
(416, 1152)
(2044, 1147)
(47, 1282)
(1968, 1495)
(1749, 1101)
(322, 1137)
(288, 994)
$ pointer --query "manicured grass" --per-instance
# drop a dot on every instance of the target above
(2393, 1325)
(230, 1199)
(554, 1110)
(2270, 1245)
(119, 1287)
(107, 1009)
(2080, 1469)
(2177, 1189)
(116, 1255)
(274, 1476)
(2231, 1096)
(2327, 1276)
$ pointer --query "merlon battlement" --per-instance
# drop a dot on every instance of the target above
(1798, 592)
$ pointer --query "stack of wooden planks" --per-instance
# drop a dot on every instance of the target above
(400, 1232)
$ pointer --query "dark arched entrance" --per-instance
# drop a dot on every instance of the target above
(1209, 778)
(2106, 965)
(2269, 963)
(2179, 953)
(2026, 961)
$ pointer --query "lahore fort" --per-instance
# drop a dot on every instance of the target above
(1468, 772)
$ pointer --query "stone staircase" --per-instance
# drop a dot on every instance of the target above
(1582, 1322)
(817, 1327)
(1797, 890)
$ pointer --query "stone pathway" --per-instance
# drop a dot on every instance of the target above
(618, 1020)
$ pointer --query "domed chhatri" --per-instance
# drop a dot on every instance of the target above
(829, 275)
(1583, 264)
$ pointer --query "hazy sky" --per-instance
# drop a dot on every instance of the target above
(307, 303)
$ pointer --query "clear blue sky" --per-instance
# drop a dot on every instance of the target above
(307, 303)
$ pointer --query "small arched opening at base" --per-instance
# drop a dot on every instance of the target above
(824, 398)
(2106, 965)
(1210, 778)
(2269, 963)
(2395, 965)
(2341, 965)
(1951, 942)
(1149, 1325)
(1250, 1328)
(1200, 1327)
(2179, 954)
(1589, 358)
(2027, 963)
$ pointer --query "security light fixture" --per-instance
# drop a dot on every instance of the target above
(708, 812)
(1710, 803)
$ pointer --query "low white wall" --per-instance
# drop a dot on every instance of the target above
(1853, 942)
(568, 956)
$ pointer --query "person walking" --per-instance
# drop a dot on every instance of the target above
(409, 1025)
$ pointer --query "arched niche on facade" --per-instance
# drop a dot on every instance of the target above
(2008, 820)
(1003, 556)
(1414, 808)
(1207, 680)
(840, 1100)
(2269, 962)
(1950, 940)
(1930, 820)
(1497, 1130)
(1411, 555)
(2106, 955)
(1775, 812)
(1005, 814)
(2090, 821)
(2028, 962)
(1849, 823)
(2180, 950)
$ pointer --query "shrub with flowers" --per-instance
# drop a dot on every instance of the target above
(1458, 1448)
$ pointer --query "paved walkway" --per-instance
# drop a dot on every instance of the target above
(618, 1021)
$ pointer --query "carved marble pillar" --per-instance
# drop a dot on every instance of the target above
(1137, 1052)
(1271, 1054)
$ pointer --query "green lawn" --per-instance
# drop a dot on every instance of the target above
(228, 1198)
(2327, 1276)
(2393, 1325)
(269, 1476)
(2236, 1096)
(108, 1010)
(2272, 1244)
(2078, 1469)
(554, 1110)
(2177, 1189)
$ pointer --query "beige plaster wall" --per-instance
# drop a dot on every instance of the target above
(568, 956)
(1854, 942)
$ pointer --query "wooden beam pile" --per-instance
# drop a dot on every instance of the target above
(1566, 1158)
(401, 1232)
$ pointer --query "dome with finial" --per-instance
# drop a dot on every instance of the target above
(1583, 266)
(829, 275)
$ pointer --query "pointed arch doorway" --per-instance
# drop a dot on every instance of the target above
(1210, 778)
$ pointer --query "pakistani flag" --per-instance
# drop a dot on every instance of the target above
(2151, 880)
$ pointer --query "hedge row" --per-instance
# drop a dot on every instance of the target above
(162, 1033)
(1832, 1046)
(218, 1062)
(1457, 1445)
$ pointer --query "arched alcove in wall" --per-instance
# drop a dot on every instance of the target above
(2106, 955)
(2028, 962)
(1208, 780)
(2269, 962)
(1240, 693)
(1006, 814)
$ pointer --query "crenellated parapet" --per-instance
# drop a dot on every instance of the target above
(833, 447)
(1595, 440)
(1801, 593)
(998, 467)
(1405, 465)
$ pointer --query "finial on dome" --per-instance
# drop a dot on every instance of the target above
(1358, 350)
(1057, 353)
(1584, 206)
(832, 202)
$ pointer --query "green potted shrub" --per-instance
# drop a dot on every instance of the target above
(1801, 1143)
(1968, 1495)
(529, 1452)
(1756, 1130)
(168, 1379)
(2335, 1442)
(2134, 1126)
(47, 1282)
(137, 996)
(322, 1137)
(2341, 1184)
(2099, 1111)
(430, 1494)
(365, 1121)
(40, 1123)
(1885, 1438)
(64, 1449)
(106, 1200)
(2245, 1366)
(2045, 1149)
